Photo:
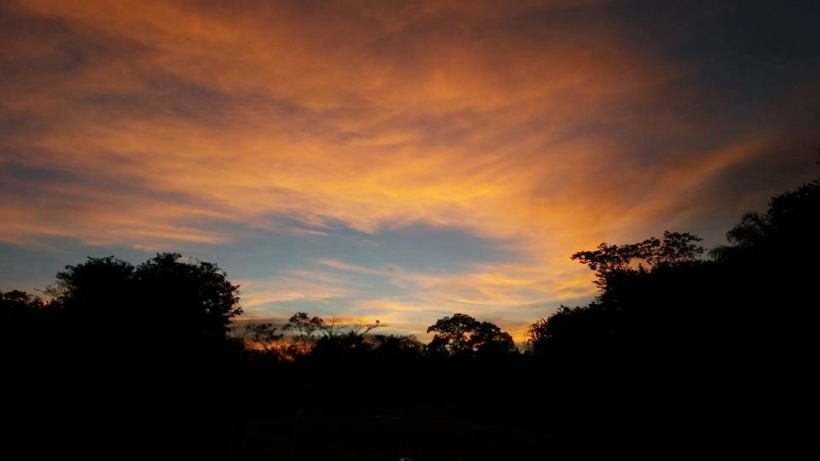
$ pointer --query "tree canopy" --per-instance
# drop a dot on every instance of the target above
(672, 249)
(787, 230)
(164, 302)
(461, 334)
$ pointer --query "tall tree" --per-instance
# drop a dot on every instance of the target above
(164, 302)
(194, 301)
(462, 334)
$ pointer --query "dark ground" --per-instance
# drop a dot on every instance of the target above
(351, 432)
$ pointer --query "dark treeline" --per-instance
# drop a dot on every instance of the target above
(682, 351)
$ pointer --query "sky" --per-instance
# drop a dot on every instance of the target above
(399, 161)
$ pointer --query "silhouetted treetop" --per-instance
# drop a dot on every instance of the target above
(16, 300)
(573, 329)
(162, 301)
(792, 220)
(674, 248)
(194, 299)
(306, 327)
(94, 286)
(462, 334)
(392, 345)
(18, 312)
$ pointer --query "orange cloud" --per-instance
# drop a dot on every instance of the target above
(168, 116)
(375, 165)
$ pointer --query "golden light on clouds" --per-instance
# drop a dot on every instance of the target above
(538, 127)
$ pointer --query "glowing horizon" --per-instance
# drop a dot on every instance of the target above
(393, 161)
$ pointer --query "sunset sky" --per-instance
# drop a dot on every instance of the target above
(391, 160)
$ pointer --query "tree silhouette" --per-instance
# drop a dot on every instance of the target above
(769, 267)
(17, 303)
(98, 304)
(674, 248)
(328, 338)
(94, 288)
(645, 289)
(574, 330)
(490, 340)
(262, 335)
(461, 334)
(160, 306)
(397, 346)
(196, 301)
(752, 231)
(305, 326)
(22, 322)
(786, 230)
